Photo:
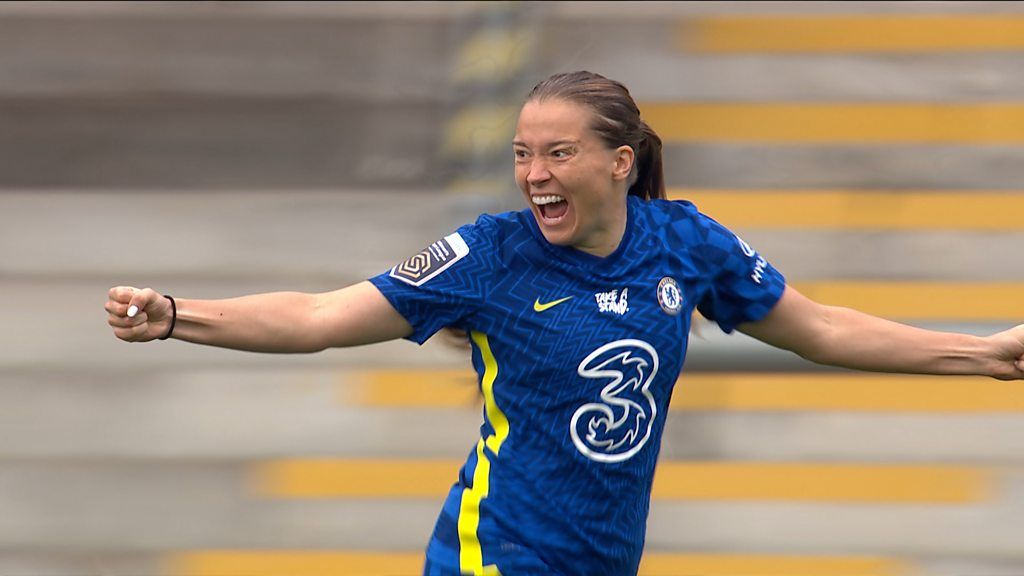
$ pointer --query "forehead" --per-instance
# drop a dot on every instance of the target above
(543, 122)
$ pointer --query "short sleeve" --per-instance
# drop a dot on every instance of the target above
(444, 283)
(743, 286)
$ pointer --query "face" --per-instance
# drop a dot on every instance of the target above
(574, 184)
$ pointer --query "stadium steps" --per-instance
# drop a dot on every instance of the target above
(255, 411)
(220, 97)
(72, 245)
(119, 459)
(277, 84)
(130, 454)
(824, 210)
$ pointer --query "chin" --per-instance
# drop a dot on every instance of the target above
(560, 235)
(556, 238)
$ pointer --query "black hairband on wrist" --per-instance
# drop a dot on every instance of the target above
(174, 318)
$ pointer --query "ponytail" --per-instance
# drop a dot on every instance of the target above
(650, 173)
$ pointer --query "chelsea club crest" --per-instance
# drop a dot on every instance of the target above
(670, 297)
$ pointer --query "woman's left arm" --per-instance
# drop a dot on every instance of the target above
(844, 337)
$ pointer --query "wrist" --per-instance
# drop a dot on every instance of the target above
(982, 355)
(174, 318)
(998, 356)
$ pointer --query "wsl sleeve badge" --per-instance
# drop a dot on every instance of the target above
(431, 261)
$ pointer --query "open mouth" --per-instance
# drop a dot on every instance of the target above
(552, 207)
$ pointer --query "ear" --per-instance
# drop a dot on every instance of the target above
(623, 163)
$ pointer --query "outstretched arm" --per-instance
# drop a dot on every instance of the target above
(273, 322)
(844, 337)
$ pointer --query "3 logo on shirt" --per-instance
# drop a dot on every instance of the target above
(619, 424)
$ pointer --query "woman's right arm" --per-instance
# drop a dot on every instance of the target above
(286, 322)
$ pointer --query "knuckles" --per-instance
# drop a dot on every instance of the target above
(122, 294)
(119, 299)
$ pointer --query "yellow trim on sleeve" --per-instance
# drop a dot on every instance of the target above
(470, 554)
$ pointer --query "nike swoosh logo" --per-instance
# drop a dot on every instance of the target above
(538, 307)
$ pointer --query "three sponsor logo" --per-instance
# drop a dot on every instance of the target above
(618, 423)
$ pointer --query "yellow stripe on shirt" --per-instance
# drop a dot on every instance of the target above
(470, 554)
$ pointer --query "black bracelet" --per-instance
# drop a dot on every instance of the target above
(174, 318)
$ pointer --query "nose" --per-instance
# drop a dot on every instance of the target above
(538, 173)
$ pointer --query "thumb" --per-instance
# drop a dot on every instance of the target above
(141, 299)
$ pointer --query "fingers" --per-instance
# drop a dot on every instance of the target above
(128, 300)
(132, 334)
(122, 294)
(121, 321)
(119, 300)
(141, 300)
(116, 308)
(127, 312)
(130, 329)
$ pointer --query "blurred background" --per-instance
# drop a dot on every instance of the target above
(871, 150)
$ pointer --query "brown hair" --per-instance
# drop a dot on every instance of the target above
(616, 120)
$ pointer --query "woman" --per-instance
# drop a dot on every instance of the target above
(578, 309)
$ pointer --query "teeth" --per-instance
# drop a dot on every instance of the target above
(550, 199)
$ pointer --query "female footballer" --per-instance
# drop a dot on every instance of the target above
(578, 310)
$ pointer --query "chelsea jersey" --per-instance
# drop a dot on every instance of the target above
(577, 356)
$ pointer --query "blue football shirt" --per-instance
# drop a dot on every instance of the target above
(577, 356)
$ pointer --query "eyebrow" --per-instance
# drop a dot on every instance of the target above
(550, 145)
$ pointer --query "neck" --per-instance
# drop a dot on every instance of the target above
(607, 238)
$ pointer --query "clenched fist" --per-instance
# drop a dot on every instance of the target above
(138, 315)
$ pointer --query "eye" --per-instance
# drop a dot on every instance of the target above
(521, 154)
(562, 153)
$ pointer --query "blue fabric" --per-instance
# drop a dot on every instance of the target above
(584, 384)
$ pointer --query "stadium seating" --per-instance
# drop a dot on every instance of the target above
(871, 151)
